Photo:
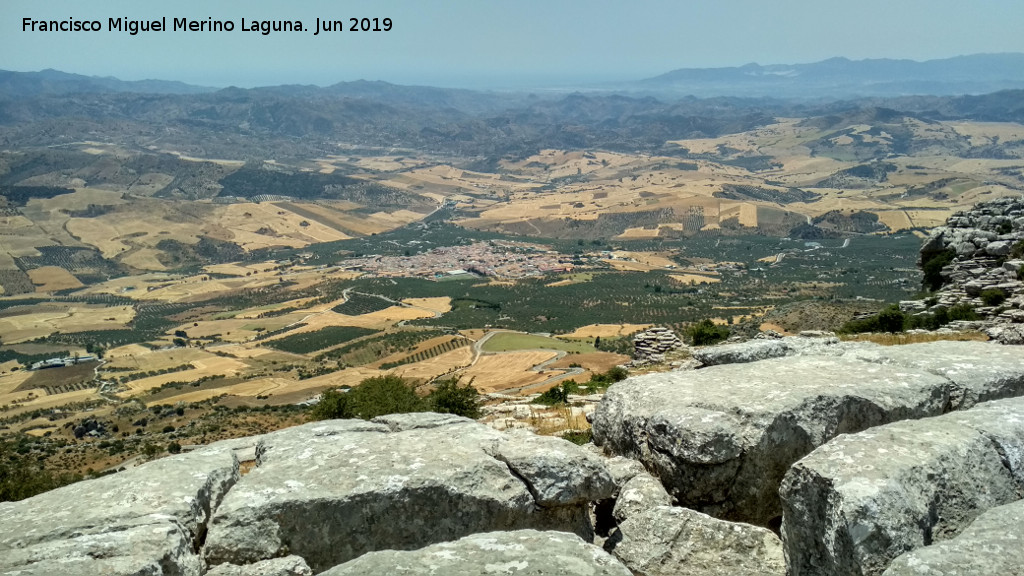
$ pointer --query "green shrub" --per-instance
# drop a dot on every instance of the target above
(373, 397)
(993, 296)
(174, 448)
(932, 269)
(450, 398)
(580, 437)
(706, 332)
(963, 312)
(891, 319)
(558, 394)
(1017, 250)
(1020, 273)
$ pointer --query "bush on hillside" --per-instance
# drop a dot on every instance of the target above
(932, 269)
(392, 394)
(706, 332)
(450, 398)
(373, 397)
(993, 296)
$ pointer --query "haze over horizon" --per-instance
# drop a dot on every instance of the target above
(486, 45)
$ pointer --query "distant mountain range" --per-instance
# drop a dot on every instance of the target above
(836, 78)
(56, 83)
(843, 78)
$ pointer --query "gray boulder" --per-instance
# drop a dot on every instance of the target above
(763, 349)
(979, 371)
(858, 502)
(666, 541)
(522, 553)
(541, 462)
(720, 439)
(287, 566)
(642, 492)
(992, 544)
(623, 469)
(332, 491)
(147, 520)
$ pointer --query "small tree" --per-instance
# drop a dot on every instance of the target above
(450, 398)
(891, 319)
(706, 332)
(993, 296)
(373, 397)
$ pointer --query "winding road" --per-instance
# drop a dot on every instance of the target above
(478, 351)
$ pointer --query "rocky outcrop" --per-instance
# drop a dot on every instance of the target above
(319, 495)
(523, 553)
(651, 345)
(979, 371)
(976, 246)
(666, 541)
(765, 348)
(990, 545)
(147, 520)
(720, 439)
(858, 502)
(332, 491)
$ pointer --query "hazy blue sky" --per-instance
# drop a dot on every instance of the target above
(499, 43)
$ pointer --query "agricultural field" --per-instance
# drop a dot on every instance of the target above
(308, 342)
(509, 341)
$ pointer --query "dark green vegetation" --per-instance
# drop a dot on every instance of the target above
(361, 304)
(257, 183)
(706, 333)
(369, 350)
(993, 296)
(932, 265)
(307, 342)
(21, 475)
(892, 320)
(393, 395)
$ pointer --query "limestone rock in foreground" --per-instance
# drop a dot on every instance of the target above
(858, 502)
(981, 371)
(721, 438)
(667, 541)
(993, 544)
(522, 553)
(332, 491)
(146, 520)
(287, 566)
(756, 350)
(642, 492)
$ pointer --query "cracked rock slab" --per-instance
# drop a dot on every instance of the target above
(154, 515)
(858, 502)
(522, 553)
(992, 544)
(755, 350)
(721, 438)
(667, 541)
(980, 371)
(334, 490)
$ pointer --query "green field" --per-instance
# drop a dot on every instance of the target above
(508, 341)
(308, 342)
